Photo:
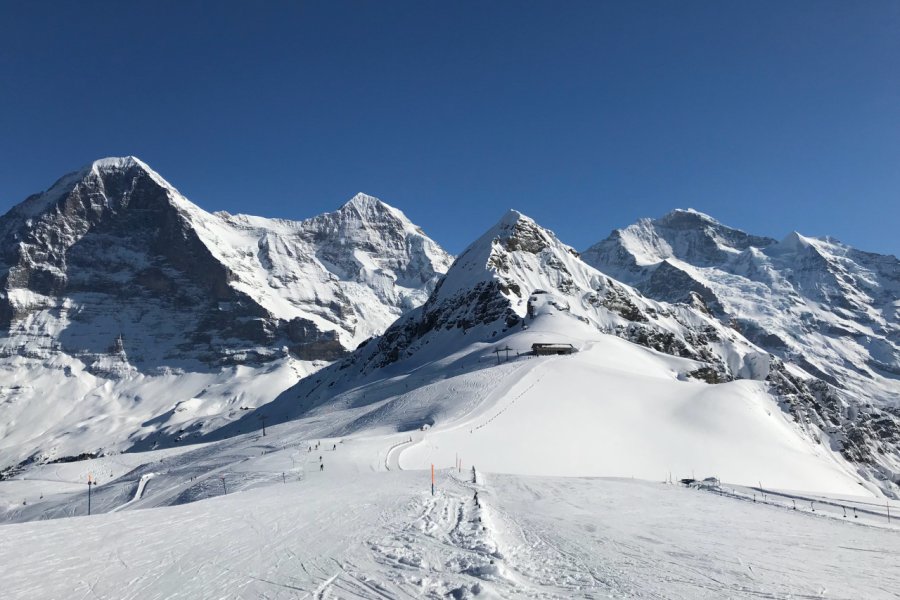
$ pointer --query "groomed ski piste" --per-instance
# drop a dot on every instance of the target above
(577, 461)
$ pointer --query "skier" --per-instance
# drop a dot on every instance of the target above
(322, 467)
(334, 448)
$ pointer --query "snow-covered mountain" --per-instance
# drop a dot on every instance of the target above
(818, 304)
(111, 282)
(153, 322)
(649, 377)
(118, 258)
(497, 286)
(445, 458)
(517, 264)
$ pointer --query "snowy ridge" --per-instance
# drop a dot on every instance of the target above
(353, 271)
(517, 262)
(825, 308)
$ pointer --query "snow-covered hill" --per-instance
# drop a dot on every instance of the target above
(131, 316)
(516, 265)
(828, 310)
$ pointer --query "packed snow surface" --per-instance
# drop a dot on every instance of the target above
(354, 530)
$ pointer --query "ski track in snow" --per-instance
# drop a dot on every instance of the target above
(368, 535)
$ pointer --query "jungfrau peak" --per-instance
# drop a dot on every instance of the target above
(828, 310)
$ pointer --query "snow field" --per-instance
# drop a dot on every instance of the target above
(615, 409)
(137, 411)
(349, 532)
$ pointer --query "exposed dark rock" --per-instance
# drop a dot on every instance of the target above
(707, 374)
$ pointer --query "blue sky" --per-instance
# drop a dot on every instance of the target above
(770, 116)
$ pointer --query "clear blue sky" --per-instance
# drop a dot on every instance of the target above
(771, 116)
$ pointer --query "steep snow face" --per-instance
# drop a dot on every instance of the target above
(112, 277)
(353, 271)
(817, 303)
(815, 300)
(687, 235)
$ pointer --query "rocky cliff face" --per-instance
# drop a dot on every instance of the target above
(114, 252)
(827, 310)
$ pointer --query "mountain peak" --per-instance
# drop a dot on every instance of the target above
(363, 201)
(99, 169)
(369, 207)
(793, 242)
(118, 162)
(521, 232)
(512, 217)
(686, 218)
(795, 237)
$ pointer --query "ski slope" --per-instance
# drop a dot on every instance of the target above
(615, 409)
(350, 532)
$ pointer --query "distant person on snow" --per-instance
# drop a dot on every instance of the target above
(335, 447)
(322, 467)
